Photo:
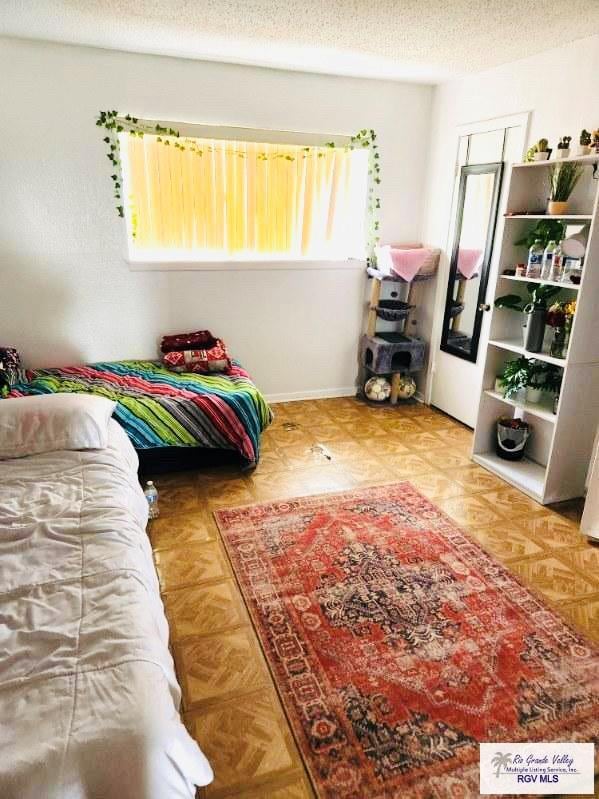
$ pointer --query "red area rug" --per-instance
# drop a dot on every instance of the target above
(397, 643)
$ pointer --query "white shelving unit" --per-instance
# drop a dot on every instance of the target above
(560, 447)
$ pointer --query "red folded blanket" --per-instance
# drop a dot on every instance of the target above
(195, 352)
(200, 340)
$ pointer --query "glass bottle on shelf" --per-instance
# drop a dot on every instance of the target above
(558, 344)
(535, 260)
(557, 264)
(548, 256)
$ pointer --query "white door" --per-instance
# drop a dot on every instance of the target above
(456, 382)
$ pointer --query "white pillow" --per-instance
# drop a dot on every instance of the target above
(49, 422)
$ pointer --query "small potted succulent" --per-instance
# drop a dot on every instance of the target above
(542, 150)
(584, 142)
(563, 147)
(562, 180)
(595, 142)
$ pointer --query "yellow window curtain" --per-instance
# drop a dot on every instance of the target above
(213, 198)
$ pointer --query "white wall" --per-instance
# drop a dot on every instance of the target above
(559, 87)
(67, 296)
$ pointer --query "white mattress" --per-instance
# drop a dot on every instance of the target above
(88, 695)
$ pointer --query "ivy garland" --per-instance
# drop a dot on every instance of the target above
(113, 123)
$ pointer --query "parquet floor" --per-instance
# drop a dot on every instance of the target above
(229, 702)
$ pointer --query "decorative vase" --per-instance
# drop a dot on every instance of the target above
(533, 394)
(558, 345)
(535, 330)
(557, 207)
(541, 156)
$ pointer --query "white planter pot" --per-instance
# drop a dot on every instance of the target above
(533, 394)
(563, 154)
(543, 156)
(499, 385)
(584, 149)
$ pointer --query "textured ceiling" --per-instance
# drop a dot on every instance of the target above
(400, 39)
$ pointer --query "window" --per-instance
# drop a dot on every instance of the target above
(211, 199)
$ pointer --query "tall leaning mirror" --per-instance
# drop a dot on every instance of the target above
(476, 215)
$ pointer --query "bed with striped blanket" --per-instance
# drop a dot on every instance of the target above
(162, 409)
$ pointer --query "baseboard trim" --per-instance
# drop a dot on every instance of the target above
(323, 393)
(318, 393)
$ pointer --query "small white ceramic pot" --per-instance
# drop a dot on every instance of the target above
(563, 154)
(584, 149)
(541, 156)
(533, 394)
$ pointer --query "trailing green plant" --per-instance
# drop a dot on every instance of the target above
(114, 124)
(539, 295)
(564, 143)
(562, 180)
(585, 138)
(545, 230)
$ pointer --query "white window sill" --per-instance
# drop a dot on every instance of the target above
(242, 266)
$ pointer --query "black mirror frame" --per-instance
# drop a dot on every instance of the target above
(475, 169)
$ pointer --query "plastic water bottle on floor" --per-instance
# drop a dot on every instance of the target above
(151, 494)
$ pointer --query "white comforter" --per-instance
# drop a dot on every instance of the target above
(88, 694)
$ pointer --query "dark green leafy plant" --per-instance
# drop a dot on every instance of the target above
(553, 378)
(514, 376)
(562, 180)
(537, 373)
(540, 294)
(545, 230)
(114, 124)
(585, 137)
(564, 143)
(530, 373)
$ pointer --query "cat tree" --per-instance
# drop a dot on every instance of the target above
(394, 353)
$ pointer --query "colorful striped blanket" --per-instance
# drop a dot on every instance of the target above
(159, 408)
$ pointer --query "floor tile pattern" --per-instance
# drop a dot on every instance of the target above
(229, 702)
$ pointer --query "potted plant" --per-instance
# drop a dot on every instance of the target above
(512, 435)
(535, 380)
(543, 378)
(542, 150)
(562, 180)
(563, 147)
(585, 142)
(514, 376)
(535, 310)
(595, 143)
(545, 230)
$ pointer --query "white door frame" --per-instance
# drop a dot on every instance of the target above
(522, 120)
